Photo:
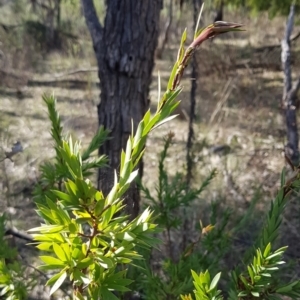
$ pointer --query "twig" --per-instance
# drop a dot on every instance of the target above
(225, 95)
(19, 234)
(82, 70)
(38, 271)
(47, 278)
(16, 148)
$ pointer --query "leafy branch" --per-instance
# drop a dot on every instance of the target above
(84, 232)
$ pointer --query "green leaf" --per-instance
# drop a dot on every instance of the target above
(183, 37)
(122, 158)
(274, 255)
(100, 137)
(257, 278)
(282, 249)
(118, 287)
(112, 194)
(72, 188)
(62, 196)
(84, 263)
(144, 217)
(251, 274)
(5, 290)
(105, 262)
(151, 123)
(49, 260)
(255, 294)
(58, 283)
(181, 47)
(214, 282)
(83, 220)
(128, 151)
(180, 54)
(286, 288)
(80, 278)
(84, 249)
(78, 296)
(243, 279)
(164, 121)
(172, 76)
(53, 279)
(73, 228)
(77, 254)
(99, 196)
(169, 103)
(126, 169)
(95, 242)
(126, 236)
(99, 207)
(138, 157)
(147, 117)
(106, 294)
(205, 277)
(59, 252)
(48, 229)
(44, 246)
(195, 276)
(67, 250)
(50, 267)
(267, 250)
(132, 176)
(138, 134)
(49, 237)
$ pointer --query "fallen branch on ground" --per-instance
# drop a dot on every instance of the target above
(19, 234)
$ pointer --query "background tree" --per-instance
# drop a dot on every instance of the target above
(219, 11)
(50, 14)
(124, 46)
(289, 99)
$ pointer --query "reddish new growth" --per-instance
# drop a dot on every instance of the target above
(209, 32)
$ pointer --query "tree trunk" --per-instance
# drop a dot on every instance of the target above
(189, 144)
(290, 93)
(160, 51)
(124, 49)
(219, 12)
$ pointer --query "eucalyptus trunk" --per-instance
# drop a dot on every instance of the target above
(124, 47)
(290, 93)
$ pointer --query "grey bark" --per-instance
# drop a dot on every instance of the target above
(124, 48)
(196, 8)
(189, 144)
(219, 12)
(290, 93)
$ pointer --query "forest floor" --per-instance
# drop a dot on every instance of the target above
(238, 106)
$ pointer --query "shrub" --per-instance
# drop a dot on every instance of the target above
(88, 240)
(14, 283)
